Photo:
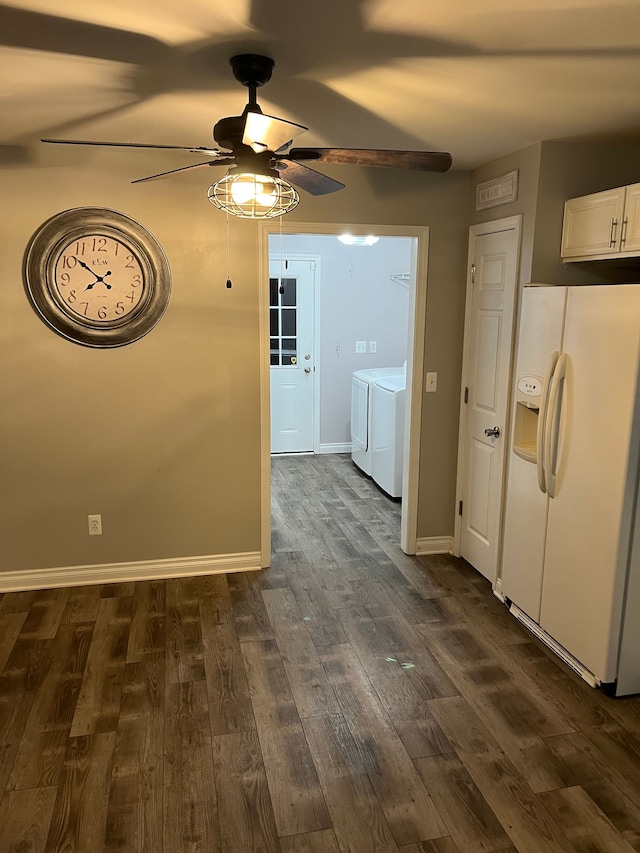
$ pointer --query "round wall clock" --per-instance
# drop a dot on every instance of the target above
(97, 277)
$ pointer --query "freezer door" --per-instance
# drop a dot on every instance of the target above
(525, 523)
(589, 518)
(628, 681)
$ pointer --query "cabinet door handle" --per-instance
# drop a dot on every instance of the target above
(623, 232)
(612, 232)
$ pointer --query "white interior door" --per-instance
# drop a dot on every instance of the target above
(292, 371)
(493, 265)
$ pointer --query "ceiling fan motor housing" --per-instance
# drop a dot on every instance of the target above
(258, 164)
(228, 133)
(251, 69)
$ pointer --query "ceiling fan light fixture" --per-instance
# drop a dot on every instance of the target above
(358, 239)
(253, 196)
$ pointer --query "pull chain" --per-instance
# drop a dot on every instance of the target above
(229, 284)
(281, 288)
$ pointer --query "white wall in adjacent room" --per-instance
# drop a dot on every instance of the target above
(360, 300)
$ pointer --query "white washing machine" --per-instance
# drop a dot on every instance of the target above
(387, 432)
(361, 383)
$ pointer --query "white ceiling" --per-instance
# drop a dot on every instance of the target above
(478, 79)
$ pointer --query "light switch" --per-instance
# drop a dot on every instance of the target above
(432, 382)
(373, 346)
(361, 346)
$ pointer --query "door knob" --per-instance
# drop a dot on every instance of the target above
(492, 432)
(307, 370)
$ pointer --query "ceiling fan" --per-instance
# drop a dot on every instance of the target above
(256, 147)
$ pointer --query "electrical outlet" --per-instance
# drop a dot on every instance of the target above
(95, 525)
(361, 346)
(373, 346)
(432, 382)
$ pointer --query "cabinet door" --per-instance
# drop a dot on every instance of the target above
(592, 224)
(631, 232)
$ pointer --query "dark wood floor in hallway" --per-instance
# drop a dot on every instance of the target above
(350, 699)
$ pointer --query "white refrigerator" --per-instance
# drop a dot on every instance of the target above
(569, 568)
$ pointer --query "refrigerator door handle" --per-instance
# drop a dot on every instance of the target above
(542, 414)
(552, 426)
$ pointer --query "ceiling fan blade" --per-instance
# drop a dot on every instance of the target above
(422, 161)
(267, 133)
(39, 31)
(214, 152)
(307, 179)
(223, 162)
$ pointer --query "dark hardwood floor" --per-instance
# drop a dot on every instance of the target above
(351, 698)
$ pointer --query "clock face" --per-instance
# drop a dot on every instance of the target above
(97, 277)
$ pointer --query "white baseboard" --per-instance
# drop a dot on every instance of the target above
(497, 590)
(323, 448)
(434, 545)
(118, 572)
(335, 448)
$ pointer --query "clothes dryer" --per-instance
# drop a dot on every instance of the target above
(387, 432)
(361, 383)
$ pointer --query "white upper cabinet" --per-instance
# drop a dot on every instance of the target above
(602, 225)
(631, 234)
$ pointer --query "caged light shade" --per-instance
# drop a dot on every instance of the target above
(253, 196)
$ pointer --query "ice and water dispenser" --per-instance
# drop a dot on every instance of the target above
(528, 400)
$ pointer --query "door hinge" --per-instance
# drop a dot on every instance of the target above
(473, 273)
(466, 394)
(459, 507)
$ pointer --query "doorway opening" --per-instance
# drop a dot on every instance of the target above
(306, 382)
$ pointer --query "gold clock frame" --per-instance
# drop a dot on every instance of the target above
(41, 256)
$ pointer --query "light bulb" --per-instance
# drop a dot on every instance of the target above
(256, 188)
(266, 195)
(243, 189)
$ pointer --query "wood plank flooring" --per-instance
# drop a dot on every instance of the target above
(350, 699)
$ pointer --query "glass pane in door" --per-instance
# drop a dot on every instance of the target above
(283, 322)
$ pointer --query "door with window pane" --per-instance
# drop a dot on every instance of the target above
(291, 301)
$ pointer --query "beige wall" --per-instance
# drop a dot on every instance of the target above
(527, 163)
(162, 436)
(568, 170)
(448, 241)
(159, 436)
(549, 173)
